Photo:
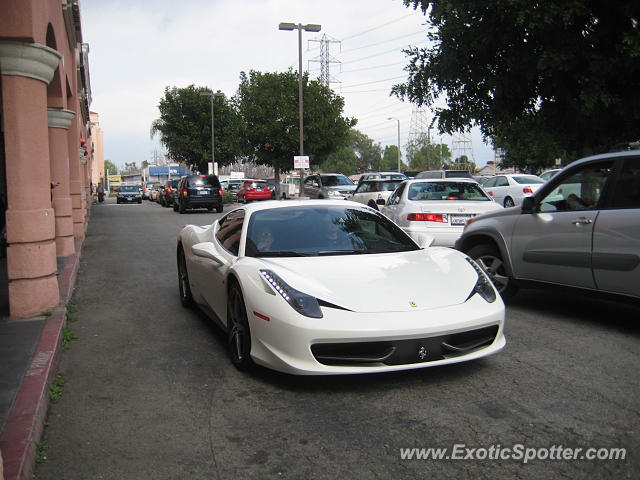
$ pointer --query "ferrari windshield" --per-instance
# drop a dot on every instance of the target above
(317, 230)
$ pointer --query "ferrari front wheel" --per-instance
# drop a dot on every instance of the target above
(239, 335)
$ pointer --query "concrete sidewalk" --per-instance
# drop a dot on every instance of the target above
(29, 357)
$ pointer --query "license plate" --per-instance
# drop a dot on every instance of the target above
(460, 219)
(203, 192)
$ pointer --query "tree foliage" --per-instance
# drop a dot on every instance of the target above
(268, 105)
(361, 154)
(110, 168)
(185, 127)
(542, 79)
(427, 156)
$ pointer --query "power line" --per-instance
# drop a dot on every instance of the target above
(381, 43)
(379, 26)
(376, 81)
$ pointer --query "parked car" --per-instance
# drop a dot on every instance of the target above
(165, 195)
(581, 229)
(509, 190)
(328, 185)
(232, 185)
(374, 192)
(283, 281)
(271, 183)
(437, 208)
(129, 194)
(198, 191)
(253, 190)
(549, 173)
(153, 196)
(444, 174)
(382, 176)
(146, 192)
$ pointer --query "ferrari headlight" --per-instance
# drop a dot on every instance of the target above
(483, 286)
(301, 302)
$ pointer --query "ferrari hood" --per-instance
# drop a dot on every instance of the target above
(393, 282)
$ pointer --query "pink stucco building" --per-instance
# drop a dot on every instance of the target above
(46, 141)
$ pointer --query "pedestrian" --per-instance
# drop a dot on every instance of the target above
(100, 192)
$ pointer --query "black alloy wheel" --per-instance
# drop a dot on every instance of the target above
(183, 280)
(238, 333)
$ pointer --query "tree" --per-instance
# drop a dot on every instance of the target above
(427, 156)
(130, 167)
(369, 154)
(185, 127)
(542, 79)
(268, 105)
(361, 154)
(343, 160)
(110, 168)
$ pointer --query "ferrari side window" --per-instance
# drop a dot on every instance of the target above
(230, 230)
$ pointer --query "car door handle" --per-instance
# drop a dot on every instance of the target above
(582, 221)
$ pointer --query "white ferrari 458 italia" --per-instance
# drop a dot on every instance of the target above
(334, 287)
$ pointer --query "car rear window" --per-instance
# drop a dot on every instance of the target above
(128, 188)
(446, 191)
(203, 181)
(527, 179)
(457, 174)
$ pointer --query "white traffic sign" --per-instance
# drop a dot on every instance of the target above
(300, 161)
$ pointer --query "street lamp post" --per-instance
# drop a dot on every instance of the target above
(397, 120)
(212, 95)
(309, 28)
(429, 141)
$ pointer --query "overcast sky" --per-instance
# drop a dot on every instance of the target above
(139, 47)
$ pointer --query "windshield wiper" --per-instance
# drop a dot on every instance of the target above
(282, 253)
(340, 252)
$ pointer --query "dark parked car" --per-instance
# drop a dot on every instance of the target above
(198, 191)
(581, 229)
(129, 194)
(165, 194)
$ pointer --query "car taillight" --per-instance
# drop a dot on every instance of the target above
(379, 196)
(220, 191)
(185, 193)
(426, 217)
(169, 191)
(490, 193)
(527, 190)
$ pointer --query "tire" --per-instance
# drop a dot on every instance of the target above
(373, 205)
(181, 208)
(175, 207)
(183, 281)
(219, 208)
(139, 201)
(491, 261)
(238, 333)
(508, 202)
(284, 196)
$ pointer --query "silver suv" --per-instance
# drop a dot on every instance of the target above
(328, 185)
(581, 229)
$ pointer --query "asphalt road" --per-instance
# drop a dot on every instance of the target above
(150, 393)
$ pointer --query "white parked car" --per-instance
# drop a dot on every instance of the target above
(437, 208)
(374, 192)
(510, 190)
(334, 287)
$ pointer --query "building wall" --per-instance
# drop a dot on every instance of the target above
(97, 140)
(45, 119)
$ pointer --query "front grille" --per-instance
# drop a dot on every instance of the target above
(402, 352)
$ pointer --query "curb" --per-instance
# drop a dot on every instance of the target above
(24, 425)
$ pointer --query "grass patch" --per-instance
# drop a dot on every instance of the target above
(55, 390)
(41, 452)
(67, 336)
(71, 308)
